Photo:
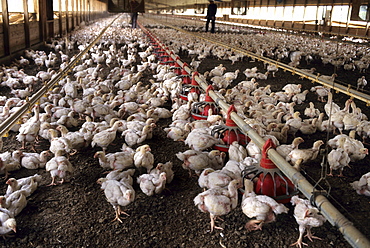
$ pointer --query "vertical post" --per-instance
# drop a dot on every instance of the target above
(81, 11)
(348, 17)
(259, 19)
(60, 19)
(26, 24)
(304, 15)
(73, 24)
(4, 5)
(275, 5)
(331, 13)
(42, 19)
(268, 8)
(294, 5)
(283, 22)
(317, 22)
(67, 17)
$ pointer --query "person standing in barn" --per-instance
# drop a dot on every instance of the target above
(211, 16)
(134, 13)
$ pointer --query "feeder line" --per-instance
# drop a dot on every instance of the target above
(337, 219)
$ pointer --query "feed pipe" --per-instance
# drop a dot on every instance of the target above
(350, 233)
(30, 102)
(314, 78)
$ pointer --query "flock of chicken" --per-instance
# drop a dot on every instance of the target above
(281, 46)
(104, 97)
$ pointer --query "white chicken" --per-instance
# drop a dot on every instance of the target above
(106, 137)
(152, 184)
(58, 166)
(294, 123)
(321, 92)
(10, 161)
(77, 139)
(29, 130)
(361, 83)
(122, 176)
(218, 201)
(308, 154)
(27, 184)
(299, 98)
(164, 167)
(133, 137)
(237, 152)
(210, 178)
(262, 207)
(177, 133)
(362, 186)
(34, 160)
(311, 111)
(285, 149)
(115, 161)
(59, 144)
(197, 160)
(253, 150)
(118, 194)
(292, 88)
(143, 158)
(8, 223)
(338, 158)
(217, 71)
(15, 202)
(183, 112)
(307, 217)
(199, 139)
(352, 146)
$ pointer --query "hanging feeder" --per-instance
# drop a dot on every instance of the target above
(193, 87)
(228, 133)
(271, 181)
(185, 75)
(176, 67)
(158, 51)
(164, 58)
(200, 110)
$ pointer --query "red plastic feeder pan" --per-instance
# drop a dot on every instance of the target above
(228, 133)
(200, 110)
(185, 75)
(193, 87)
(176, 68)
(270, 180)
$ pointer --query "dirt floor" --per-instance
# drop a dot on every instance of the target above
(76, 213)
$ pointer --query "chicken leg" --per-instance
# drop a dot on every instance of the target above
(118, 212)
(52, 182)
(213, 226)
(310, 236)
(254, 225)
(299, 241)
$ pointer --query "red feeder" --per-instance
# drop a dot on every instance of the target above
(164, 58)
(185, 75)
(159, 51)
(271, 181)
(176, 68)
(200, 110)
(228, 133)
(193, 87)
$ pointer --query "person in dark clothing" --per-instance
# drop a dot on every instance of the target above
(211, 16)
(134, 13)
